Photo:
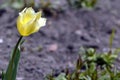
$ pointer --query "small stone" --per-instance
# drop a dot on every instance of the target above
(20, 78)
(53, 47)
(1, 40)
(78, 32)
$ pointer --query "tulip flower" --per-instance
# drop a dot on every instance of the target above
(29, 22)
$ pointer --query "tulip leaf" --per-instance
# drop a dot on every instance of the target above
(12, 67)
(16, 61)
(3, 74)
(22, 41)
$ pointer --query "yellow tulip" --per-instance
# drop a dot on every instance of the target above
(29, 22)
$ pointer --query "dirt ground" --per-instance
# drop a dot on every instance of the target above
(57, 44)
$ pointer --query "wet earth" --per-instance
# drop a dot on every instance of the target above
(57, 45)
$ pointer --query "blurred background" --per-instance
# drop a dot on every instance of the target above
(71, 24)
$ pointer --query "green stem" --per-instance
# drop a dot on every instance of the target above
(17, 45)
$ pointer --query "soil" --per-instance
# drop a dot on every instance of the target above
(56, 46)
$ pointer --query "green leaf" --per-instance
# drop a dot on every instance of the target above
(61, 77)
(17, 5)
(12, 67)
(111, 38)
(16, 61)
(3, 74)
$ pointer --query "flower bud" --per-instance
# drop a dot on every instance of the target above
(29, 22)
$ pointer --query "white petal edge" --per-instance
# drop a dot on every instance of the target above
(22, 11)
(42, 22)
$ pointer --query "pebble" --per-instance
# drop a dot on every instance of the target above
(78, 32)
(20, 78)
(1, 40)
(53, 47)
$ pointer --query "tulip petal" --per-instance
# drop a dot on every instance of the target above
(29, 27)
(30, 11)
(27, 15)
(38, 15)
(42, 22)
(22, 12)
(39, 23)
(20, 25)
